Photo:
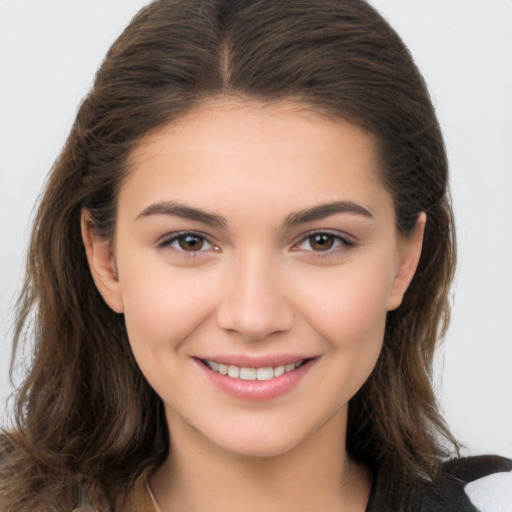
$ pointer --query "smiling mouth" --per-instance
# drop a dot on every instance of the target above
(247, 373)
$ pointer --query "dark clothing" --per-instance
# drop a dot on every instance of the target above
(446, 494)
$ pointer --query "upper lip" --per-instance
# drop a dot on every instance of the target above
(256, 361)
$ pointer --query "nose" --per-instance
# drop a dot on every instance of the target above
(254, 303)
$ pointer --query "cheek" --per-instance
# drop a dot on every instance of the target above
(350, 313)
(350, 307)
(163, 306)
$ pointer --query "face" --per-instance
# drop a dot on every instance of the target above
(256, 240)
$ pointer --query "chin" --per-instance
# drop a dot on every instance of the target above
(261, 447)
(271, 440)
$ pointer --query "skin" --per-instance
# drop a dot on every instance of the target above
(258, 285)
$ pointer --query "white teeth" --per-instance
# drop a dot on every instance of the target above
(248, 373)
(234, 371)
(244, 373)
(279, 371)
(265, 373)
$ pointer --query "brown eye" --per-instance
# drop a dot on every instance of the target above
(321, 241)
(190, 243)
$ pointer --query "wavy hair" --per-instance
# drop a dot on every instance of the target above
(85, 412)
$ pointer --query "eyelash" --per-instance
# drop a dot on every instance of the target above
(340, 243)
(170, 239)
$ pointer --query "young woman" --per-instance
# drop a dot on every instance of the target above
(238, 275)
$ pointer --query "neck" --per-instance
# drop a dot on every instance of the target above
(316, 475)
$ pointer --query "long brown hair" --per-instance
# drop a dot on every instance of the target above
(85, 411)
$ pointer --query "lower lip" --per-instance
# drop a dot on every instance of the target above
(257, 390)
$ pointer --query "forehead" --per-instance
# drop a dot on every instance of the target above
(290, 124)
(228, 149)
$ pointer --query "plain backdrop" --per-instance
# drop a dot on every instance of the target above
(49, 51)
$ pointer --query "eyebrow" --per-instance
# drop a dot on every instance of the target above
(186, 212)
(211, 219)
(326, 210)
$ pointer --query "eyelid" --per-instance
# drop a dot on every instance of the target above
(346, 240)
(168, 239)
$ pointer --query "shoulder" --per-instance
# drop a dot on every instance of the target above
(488, 482)
(448, 491)
(468, 469)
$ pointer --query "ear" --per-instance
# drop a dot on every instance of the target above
(409, 252)
(100, 255)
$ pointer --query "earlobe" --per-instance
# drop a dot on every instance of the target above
(408, 259)
(100, 256)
